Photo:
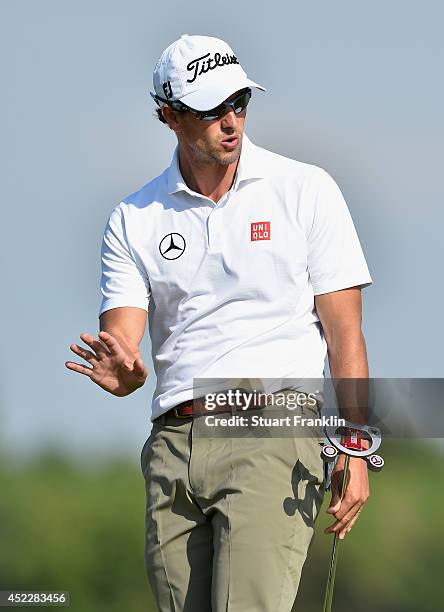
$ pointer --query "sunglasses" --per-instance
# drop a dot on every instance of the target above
(237, 104)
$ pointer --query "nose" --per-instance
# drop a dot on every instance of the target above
(229, 119)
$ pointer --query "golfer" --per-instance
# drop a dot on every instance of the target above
(248, 267)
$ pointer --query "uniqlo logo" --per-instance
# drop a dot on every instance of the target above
(260, 230)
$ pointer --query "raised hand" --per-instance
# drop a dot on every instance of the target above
(113, 365)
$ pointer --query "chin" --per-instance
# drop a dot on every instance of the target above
(229, 157)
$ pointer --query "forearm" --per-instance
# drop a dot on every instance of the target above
(347, 357)
(347, 354)
(340, 315)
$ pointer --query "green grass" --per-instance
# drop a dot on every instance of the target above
(64, 528)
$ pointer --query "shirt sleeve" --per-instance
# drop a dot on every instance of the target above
(123, 281)
(335, 257)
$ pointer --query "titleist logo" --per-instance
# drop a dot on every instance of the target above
(203, 64)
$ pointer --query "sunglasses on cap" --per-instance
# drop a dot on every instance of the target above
(237, 104)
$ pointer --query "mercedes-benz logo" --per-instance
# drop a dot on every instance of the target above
(172, 245)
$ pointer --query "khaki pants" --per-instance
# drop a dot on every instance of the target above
(228, 520)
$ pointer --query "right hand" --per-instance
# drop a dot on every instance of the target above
(115, 367)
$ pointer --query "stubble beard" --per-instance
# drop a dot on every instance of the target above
(215, 157)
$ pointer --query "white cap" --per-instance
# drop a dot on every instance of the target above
(200, 71)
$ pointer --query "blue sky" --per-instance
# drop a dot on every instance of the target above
(353, 87)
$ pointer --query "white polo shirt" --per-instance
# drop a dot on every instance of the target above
(229, 287)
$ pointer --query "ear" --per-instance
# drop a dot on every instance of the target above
(171, 117)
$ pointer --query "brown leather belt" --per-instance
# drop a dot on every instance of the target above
(197, 407)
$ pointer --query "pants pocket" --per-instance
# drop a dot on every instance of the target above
(143, 452)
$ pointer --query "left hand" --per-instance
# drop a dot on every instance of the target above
(357, 491)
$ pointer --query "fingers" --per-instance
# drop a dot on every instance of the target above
(336, 482)
(89, 356)
(335, 502)
(136, 367)
(139, 368)
(347, 510)
(347, 523)
(99, 347)
(111, 343)
(77, 367)
(85, 354)
(351, 523)
(344, 518)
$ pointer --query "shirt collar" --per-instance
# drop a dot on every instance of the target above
(250, 167)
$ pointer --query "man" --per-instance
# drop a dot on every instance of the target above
(250, 267)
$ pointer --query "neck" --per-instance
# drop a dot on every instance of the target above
(210, 179)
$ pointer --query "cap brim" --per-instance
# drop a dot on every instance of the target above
(203, 100)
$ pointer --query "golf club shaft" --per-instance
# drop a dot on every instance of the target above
(334, 555)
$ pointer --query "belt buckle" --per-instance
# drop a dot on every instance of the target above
(181, 416)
